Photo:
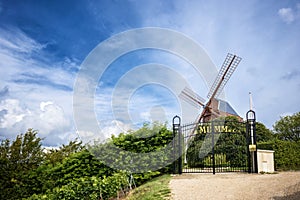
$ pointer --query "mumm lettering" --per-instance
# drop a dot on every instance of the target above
(217, 129)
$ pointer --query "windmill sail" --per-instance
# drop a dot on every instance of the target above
(192, 98)
(228, 67)
(210, 109)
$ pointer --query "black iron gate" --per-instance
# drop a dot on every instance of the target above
(216, 146)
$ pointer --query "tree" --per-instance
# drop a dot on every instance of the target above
(263, 134)
(17, 159)
(45, 176)
(288, 127)
(55, 156)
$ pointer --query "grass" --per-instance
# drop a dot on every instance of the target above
(155, 189)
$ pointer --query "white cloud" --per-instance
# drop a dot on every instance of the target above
(16, 58)
(52, 117)
(17, 41)
(50, 120)
(115, 128)
(14, 113)
(44, 104)
(108, 128)
(39, 90)
(287, 15)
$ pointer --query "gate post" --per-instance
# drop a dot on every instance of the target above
(177, 163)
(252, 149)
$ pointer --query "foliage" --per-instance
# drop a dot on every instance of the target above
(49, 172)
(76, 166)
(155, 189)
(146, 139)
(71, 171)
(87, 188)
(145, 148)
(54, 156)
(263, 134)
(17, 159)
(288, 127)
(286, 155)
(233, 145)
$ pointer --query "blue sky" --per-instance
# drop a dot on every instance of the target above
(43, 44)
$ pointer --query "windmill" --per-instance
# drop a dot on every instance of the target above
(211, 109)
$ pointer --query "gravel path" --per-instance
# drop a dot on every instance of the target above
(281, 186)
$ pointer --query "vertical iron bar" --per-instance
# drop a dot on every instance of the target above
(213, 147)
(248, 139)
(174, 149)
(179, 152)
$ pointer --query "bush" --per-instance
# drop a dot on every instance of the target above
(87, 188)
(139, 151)
(286, 155)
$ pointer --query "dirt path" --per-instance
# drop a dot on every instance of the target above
(284, 185)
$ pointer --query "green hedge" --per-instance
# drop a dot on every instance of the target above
(87, 188)
(142, 152)
(286, 155)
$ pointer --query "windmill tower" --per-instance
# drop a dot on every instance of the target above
(214, 107)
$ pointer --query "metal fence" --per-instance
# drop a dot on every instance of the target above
(218, 146)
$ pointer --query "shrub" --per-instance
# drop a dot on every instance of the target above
(286, 155)
(87, 188)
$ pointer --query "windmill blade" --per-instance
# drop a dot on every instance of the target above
(191, 97)
(228, 67)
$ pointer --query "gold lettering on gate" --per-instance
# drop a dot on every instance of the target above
(202, 129)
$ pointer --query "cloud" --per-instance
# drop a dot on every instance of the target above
(50, 121)
(42, 80)
(26, 61)
(38, 94)
(287, 15)
(13, 113)
(52, 117)
(17, 41)
(108, 128)
(115, 127)
(291, 75)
